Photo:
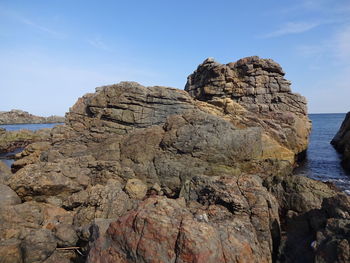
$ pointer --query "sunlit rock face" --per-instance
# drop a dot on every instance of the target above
(166, 159)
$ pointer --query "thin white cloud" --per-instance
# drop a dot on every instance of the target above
(336, 48)
(342, 43)
(98, 43)
(292, 28)
(40, 27)
(28, 22)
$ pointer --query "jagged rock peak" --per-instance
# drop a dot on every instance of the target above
(257, 84)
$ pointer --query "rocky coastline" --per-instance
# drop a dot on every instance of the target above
(156, 174)
(23, 117)
(12, 140)
(341, 142)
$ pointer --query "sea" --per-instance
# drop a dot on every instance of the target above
(322, 160)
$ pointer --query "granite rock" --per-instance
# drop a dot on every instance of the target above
(217, 220)
(341, 141)
(201, 164)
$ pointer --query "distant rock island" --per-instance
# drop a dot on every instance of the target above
(157, 174)
(23, 117)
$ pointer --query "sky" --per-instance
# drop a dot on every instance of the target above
(52, 52)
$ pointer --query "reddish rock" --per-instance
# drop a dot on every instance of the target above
(223, 220)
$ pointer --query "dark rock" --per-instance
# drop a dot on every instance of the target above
(341, 141)
(333, 240)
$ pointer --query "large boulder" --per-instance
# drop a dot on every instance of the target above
(218, 220)
(341, 141)
(191, 165)
(259, 86)
(166, 136)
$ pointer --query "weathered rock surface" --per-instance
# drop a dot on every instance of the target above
(27, 231)
(181, 138)
(5, 172)
(341, 141)
(182, 176)
(260, 87)
(12, 140)
(8, 196)
(23, 117)
(222, 220)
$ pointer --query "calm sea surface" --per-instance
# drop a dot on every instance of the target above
(32, 127)
(322, 162)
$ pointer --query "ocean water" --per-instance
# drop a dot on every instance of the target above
(32, 127)
(323, 161)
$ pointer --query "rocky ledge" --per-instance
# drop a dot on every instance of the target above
(12, 140)
(23, 117)
(341, 141)
(155, 174)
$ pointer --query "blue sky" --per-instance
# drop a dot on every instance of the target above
(52, 52)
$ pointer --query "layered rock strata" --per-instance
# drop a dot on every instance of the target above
(259, 86)
(341, 141)
(23, 117)
(155, 174)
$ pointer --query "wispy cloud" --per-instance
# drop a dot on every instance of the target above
(292, 28)
(41, 28)
(336, 48)
(30, 23)
(342, 43)
(98, 43)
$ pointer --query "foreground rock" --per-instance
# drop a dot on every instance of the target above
(341, 141)
(218, 220)
(23, 117)
(149, 174)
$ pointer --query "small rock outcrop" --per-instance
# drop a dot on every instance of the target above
(341, 141)
(23, 117)
(12, 140)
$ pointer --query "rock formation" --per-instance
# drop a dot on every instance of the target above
(12, 140)
(155, 174)
(23, 117)
(341, 141)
